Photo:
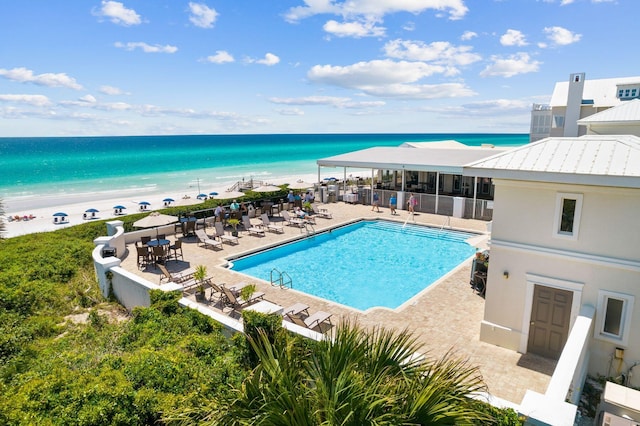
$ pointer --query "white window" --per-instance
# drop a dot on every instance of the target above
(568, 212)
(558, 121)
(613, 317)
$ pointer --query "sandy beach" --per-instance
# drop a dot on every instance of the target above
(42, 208)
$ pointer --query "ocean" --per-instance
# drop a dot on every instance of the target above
(59, 167)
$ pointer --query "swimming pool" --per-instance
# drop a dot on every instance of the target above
(365, 264)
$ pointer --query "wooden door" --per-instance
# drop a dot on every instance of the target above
(550, 317)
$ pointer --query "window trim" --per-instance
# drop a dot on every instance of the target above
(577, 214)
(625, 317)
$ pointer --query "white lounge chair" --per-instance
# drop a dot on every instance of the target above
(204, 240)
(292, 221)
(250, 228)
(270, 226)
(321, 212)
(224, 237)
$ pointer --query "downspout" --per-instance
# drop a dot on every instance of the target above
(437, 190)
(475, 196)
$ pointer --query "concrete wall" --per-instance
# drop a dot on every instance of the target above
(605, 256)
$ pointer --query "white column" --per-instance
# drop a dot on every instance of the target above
(475, 194)
(437, 190)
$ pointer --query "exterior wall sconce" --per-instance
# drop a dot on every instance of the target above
(506, 275)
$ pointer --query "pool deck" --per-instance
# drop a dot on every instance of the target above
(446, 316)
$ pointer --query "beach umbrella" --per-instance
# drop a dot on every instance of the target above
(266, 188)
(91, 210)
(300, 185)
(119, 207)
(202, 196)
(228, 195)
(187, 201)
(60, 214)
(144, 203)
(213, 194)
(168, 200)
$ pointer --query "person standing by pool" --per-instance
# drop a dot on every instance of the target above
(393, 204)
(376, 202)
(413, 201)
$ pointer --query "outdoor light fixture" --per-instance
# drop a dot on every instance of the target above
(506, 275)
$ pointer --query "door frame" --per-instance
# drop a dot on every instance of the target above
(533, 280)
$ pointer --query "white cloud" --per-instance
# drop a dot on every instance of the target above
(520, 63)
(147, 48)
(561, 36)
(290, 111)
(513, 38)
(110, 90)
(90, 99)
(354, 29)
(24, 75)
(33, 100)
(367, 8)
(221, 57)
(119, 14)
(438, 52)
(334, 101)
(202, 15)
(468, 35)
(388, 78)
(268, 60)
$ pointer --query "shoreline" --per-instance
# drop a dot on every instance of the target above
(43, 207)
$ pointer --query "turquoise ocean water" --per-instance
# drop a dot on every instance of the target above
(67, 166)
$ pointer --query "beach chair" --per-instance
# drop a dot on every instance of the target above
(292, 221)
(178, 277)
(251, 229)
(236, 302)
(320, 321)
(205, 241)
(296, 309)
(321, 212)
(231, 239)
(270, 226)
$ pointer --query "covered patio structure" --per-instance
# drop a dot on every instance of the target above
(433, 171)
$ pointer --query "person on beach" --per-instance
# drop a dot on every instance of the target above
(393, 204)
(376, 202)
(413, 201)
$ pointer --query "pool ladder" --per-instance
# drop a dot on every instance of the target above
(281, 279)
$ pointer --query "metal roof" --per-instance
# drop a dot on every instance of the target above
(627, 112)
(601, 91)
(427, 159)
(603, 160)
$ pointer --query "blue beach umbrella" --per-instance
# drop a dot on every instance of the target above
(168, 200)
(144, 203)
(91, 210)
(202, 196)
(119, 207)
(60, 214)
(213, 194)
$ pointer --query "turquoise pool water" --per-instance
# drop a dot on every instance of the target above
(366, 264)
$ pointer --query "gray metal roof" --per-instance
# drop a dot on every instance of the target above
(603, 160)
(427, 159)
(626, 112)
(602, 91)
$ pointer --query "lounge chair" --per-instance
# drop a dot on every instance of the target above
(236, 302)
(320, 321)
(251, 229)
(292, 221)
(178, 277)
(270, 226)
(321, 212)
(204, 240)
(224, 237)
(296, 309)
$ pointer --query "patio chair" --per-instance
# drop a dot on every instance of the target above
(224, 237)
(144, 240)
(178, 277)
(321, 212)
(236, 302)
(176, 250)
(296, 309)
(158, 254)
(189, 228)
(320, 321)
(144, 257)
(292, 221)
(270, 226)
(251, 229)
(205, 241)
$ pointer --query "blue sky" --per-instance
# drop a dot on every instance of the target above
(135, 67)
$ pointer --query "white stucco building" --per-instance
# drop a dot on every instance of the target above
(566, 236)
